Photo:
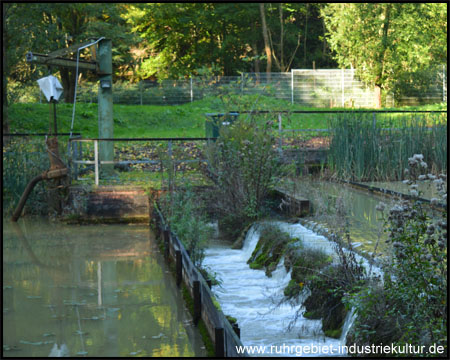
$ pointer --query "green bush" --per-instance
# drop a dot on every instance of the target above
(410, 306)
(185, 216)
(245, 168)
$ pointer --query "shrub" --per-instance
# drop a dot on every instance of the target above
(184, 214)
(244, 165)
(411, 304)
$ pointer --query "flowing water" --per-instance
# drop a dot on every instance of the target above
(255, 300)
(99, 290)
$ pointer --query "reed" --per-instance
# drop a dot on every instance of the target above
(362, 150)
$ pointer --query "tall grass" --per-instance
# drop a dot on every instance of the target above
(364, 151)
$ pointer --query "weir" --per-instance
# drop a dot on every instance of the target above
(255, 300)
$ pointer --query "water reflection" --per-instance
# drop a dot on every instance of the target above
(90, 291)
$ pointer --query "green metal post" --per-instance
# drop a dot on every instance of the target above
(105, 106)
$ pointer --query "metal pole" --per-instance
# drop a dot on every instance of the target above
(96, 161)
(444, 97)
(192, 91)
(280, 140)
(105, 106)
(292, 86)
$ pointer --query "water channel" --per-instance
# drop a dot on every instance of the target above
(256, 300)
(99, 290)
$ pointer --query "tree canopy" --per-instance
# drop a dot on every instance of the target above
(387, 42)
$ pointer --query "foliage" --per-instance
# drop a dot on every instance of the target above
(361, 151)
(185, 215)
(223, 36)
(387, 41)
(410, 306)
(244, 165)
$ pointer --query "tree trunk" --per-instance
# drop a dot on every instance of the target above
(266, 39)
(282, 67)
(377, 96)
(5, 122)
(68, 83)
(384, 46)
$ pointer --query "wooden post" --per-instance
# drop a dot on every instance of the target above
(237, 330)
(166, 243)
(197, 302)
(220, 343)
(179, 267)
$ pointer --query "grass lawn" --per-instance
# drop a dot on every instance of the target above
(187, 120)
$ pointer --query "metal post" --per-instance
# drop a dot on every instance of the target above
(444, 92)
(96, 161)
(105, 105)
(280, 134)
(74, 158)
(140, 91)
(192, 91)
(292, 86)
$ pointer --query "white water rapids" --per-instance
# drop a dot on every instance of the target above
(251, 297)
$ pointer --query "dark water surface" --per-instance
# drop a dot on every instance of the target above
(99, 290)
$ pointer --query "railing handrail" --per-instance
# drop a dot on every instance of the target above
(40, 134)
(147, 139)
(332, 111)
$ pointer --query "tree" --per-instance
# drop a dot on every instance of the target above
(265, 33)
(383, 41)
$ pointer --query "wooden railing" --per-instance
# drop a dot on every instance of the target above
(224, 336)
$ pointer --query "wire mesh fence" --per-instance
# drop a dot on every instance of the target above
(324, 88)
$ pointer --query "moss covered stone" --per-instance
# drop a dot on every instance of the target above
(271, 246)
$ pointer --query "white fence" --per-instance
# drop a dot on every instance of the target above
(322, 88)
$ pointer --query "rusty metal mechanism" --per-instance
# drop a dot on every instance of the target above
(57, 169)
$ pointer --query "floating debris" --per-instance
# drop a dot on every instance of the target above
(10, 348)
(161, 335)
(37, 343)
(135, 352)
(82, 353)
(93, 318)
